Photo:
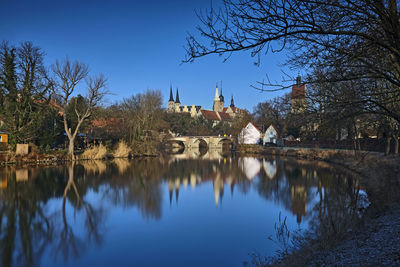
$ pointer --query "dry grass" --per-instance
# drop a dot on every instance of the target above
(123, 150)
(95, 152)
(122, 164)
(94, 166)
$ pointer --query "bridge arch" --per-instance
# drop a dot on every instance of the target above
(200, 142)
(225, 143)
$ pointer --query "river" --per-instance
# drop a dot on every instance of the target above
(174, 211)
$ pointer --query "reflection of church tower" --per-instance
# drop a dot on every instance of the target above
(218, 184)
(299, 200)
(177, 185)
(171, 102)
(177, 101)
(170, 190)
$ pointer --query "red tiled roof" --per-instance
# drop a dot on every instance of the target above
(102, 123)
(298, 91)
(225, 116)
(210, 115)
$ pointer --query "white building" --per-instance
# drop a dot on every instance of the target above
(271, 135)
(251, 134)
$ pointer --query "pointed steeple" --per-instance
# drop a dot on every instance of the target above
(171, 98)
(177, 96)
(232, 104)
(298, 80)
(221, 97)
(216, 96)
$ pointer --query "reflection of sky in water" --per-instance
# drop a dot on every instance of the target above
(185, 212)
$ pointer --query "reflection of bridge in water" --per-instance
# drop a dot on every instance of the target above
(195, 153)
(212, 142)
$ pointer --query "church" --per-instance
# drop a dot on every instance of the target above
(218, 114)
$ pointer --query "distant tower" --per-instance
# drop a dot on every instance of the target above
(171, 102)
(177, 102)
(232, 104)
(298, 104)
(217, 100)
(221, 100)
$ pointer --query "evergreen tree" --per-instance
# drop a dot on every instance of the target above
(24, 91)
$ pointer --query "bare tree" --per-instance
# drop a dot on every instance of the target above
(68, 75)
(352, 40)
(143, 113)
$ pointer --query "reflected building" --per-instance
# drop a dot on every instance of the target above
(269, 168)
(218, 185)
(250, 167)
(3, 180)
(299, 201)
(21, 175)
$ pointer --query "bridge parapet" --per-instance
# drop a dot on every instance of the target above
(191, 142)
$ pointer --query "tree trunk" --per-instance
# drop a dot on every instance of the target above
(71, 148)
(387, 151)
(396, 144)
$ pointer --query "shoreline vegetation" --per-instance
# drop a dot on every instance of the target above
(373, 239)
(379, 176)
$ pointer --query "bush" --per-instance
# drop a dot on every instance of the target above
(95, 152)
(3, 147)
(123, 150)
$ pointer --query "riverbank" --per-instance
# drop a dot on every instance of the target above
(44, 159)
(372, 241)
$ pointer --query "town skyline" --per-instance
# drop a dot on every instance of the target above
(137, 47)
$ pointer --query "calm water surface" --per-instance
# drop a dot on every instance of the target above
(167, 212)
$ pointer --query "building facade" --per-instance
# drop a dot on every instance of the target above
(217, 114)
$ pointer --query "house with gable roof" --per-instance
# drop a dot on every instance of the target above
(271, 135)
(250, 134)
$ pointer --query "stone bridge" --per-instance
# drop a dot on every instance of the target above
(211, 142)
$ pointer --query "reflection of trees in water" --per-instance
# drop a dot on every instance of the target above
(68, 244)
(27, 227)
(327, 196)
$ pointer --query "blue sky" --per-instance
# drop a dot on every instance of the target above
(137, 45)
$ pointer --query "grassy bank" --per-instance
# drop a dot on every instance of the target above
(98, 152)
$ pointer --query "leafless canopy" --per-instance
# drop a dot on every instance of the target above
(358, 34)
(67, 77)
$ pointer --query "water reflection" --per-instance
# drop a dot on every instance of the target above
(59, 214)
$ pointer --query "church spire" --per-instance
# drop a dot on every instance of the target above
(216, 96)
(171, 98)
(177, 96)
(232, 104)
(221, 97)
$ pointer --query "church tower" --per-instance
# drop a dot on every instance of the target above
(171, 102)
(177, 102)
(232, 103)
(221, 101)
(217, 100)
(298, 104)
